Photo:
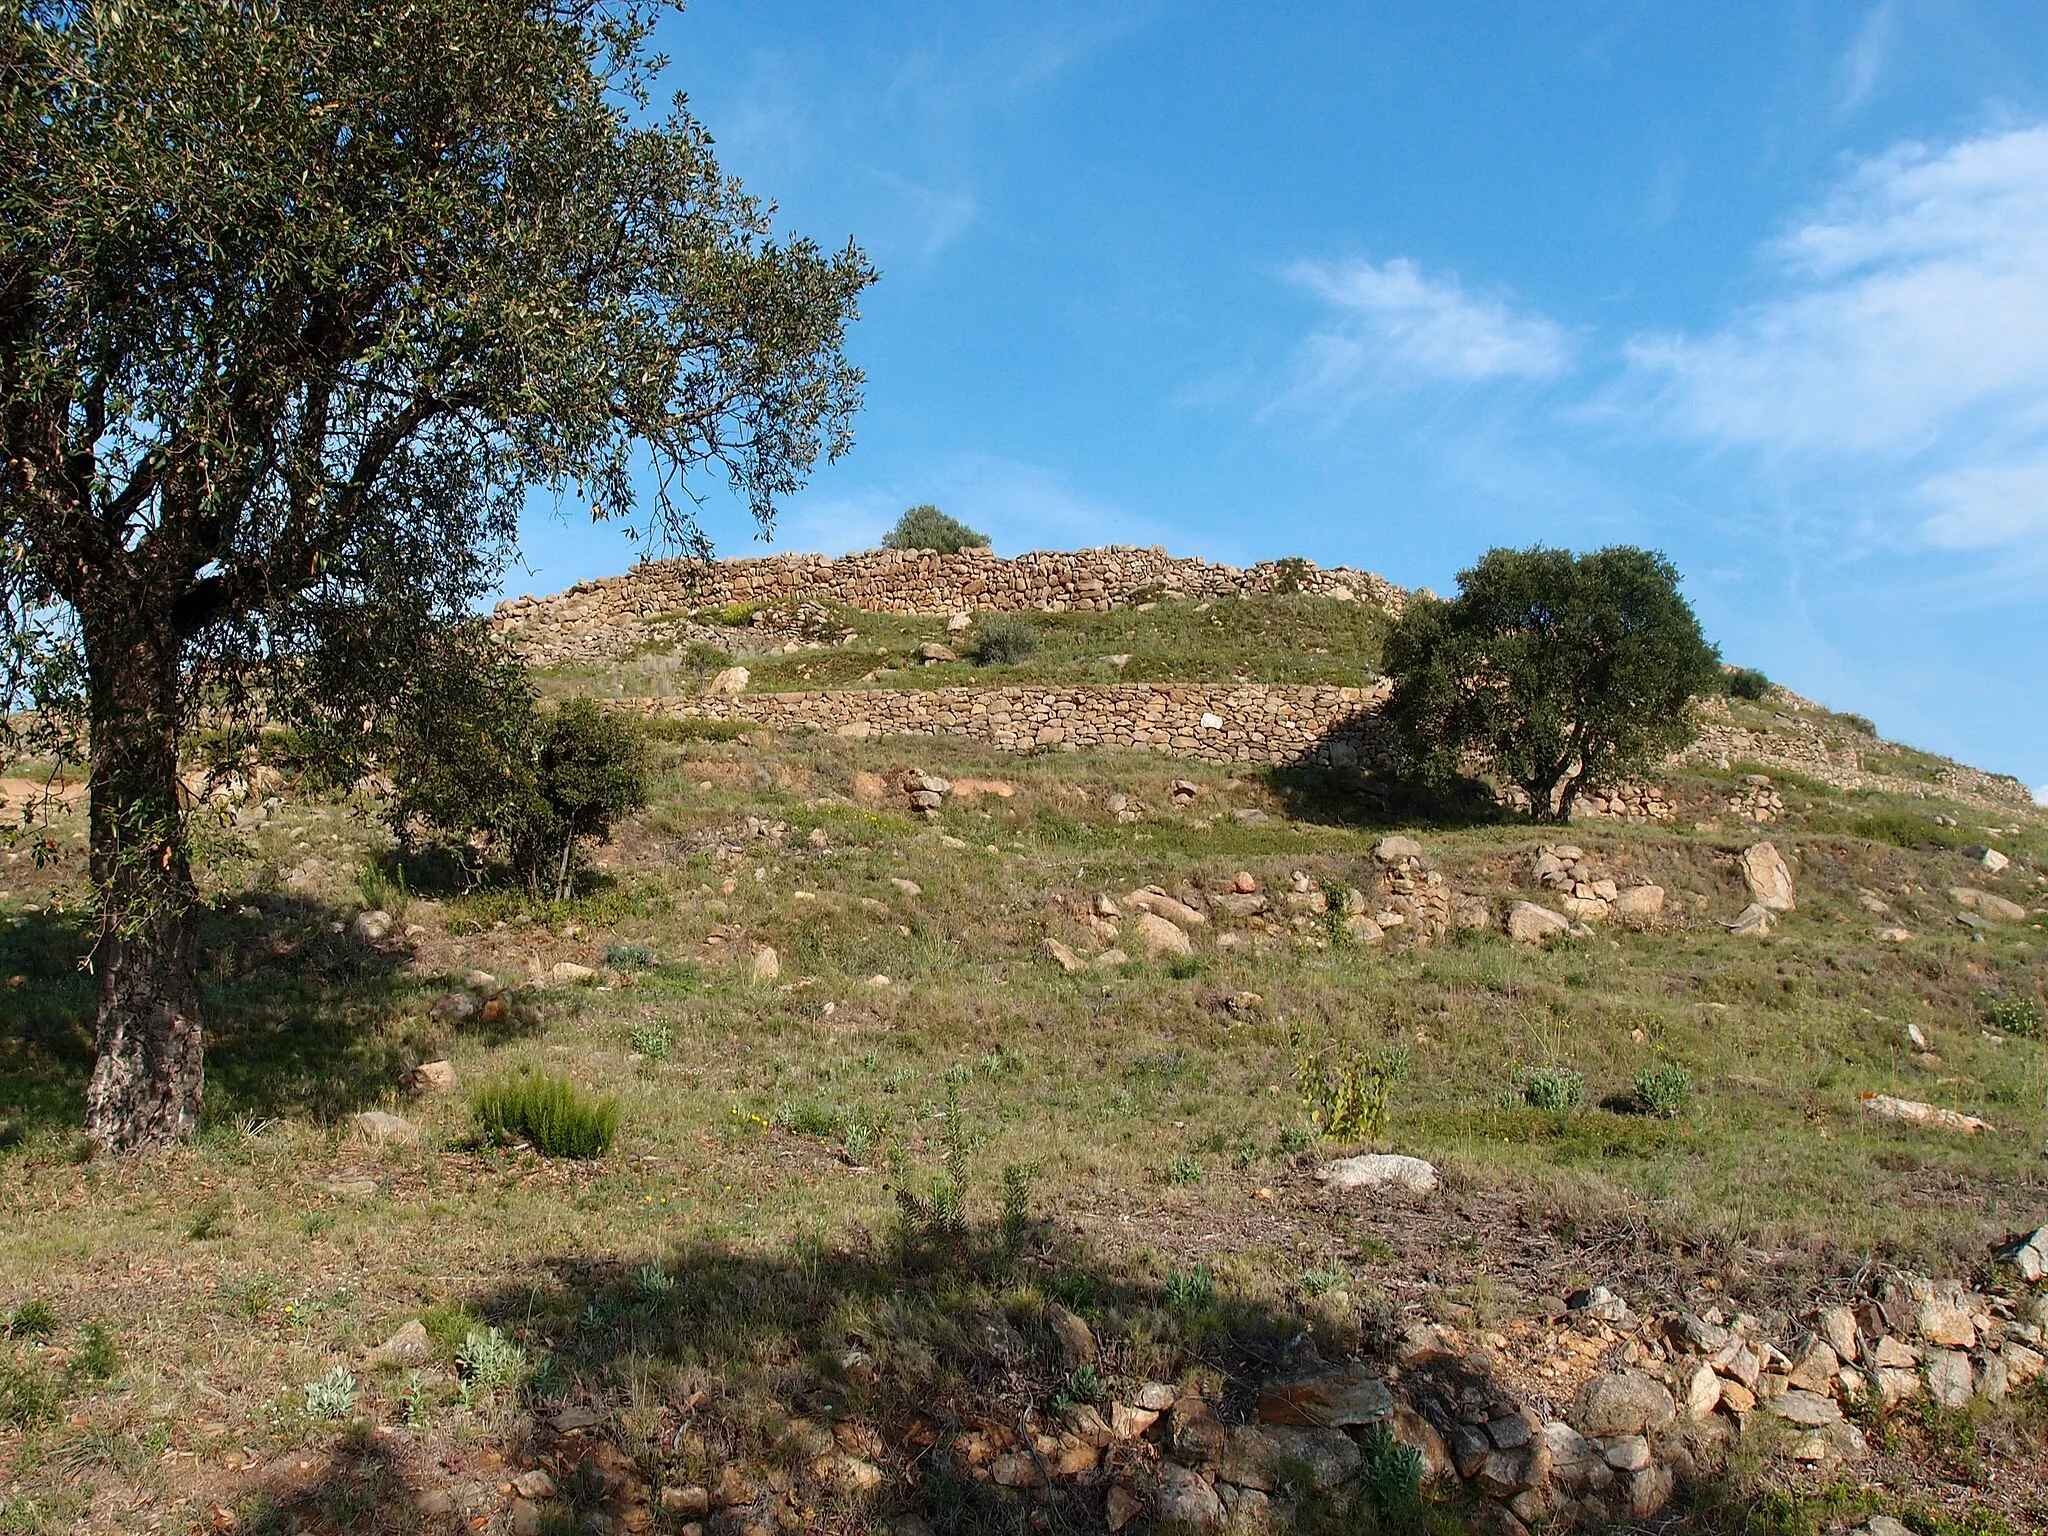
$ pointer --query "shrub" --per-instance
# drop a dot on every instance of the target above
(489, 1359)
(925, 527)
(1002, 639)
(1664, 1090)
(1191, 1290)
(383, 892)
(1183, 1169)
(1554, 669)
(1347, 1096)
(651, 1041)
(1557, 1089)
(1390, 1473)
(1745, 683)
(628, 957)
(554, 1116)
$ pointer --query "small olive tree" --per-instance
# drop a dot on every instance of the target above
(1550, 669)
(925, 527)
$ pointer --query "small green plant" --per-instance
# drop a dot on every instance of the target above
(381, 892)
(859, 1141)
(1347, 1095)
(1322, 1281)
(1559, 1090)
(1016, 1219)
(552, 1115)
(924, 526)
(33, 1319)
(1086, 1385)
(1390, 1474)
(417, 1402)
(214, 1218)
(653, 1283)
(1296, 1139)
(1186, 967)
(28, 1396)
(490, 1360)
(97, 1357)
(651, 1041)
(2017, 1016)
(332, 1396)
(732, 615)
(1183, 1169)
(1664, 1090)
(1002, 639)
(1192, 1290)
(629, 957)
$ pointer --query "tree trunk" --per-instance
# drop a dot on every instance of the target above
(147, 1081)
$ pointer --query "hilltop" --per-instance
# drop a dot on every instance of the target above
(1064, 1093)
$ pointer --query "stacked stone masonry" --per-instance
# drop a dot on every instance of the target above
(594, 620)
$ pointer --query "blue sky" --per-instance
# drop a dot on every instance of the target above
(1764, 286)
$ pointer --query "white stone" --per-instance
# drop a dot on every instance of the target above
(1380, 1170)
(1769, 880)
(1531, 924)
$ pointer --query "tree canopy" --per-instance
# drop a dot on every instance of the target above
(300, 303)
(1552, 670)
(924, 526)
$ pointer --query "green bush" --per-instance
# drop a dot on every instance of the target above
(1192, 1290)
(1557, 1089)
(1745, 683)
(1664, 1090)
(1183, 1169)
(925, 527)
(1002, 639)
(554, 1116)
(2017, 1016)
(1555, 670)
(1347, 1096)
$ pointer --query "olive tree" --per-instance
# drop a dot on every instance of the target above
(1552, 670)
(300, 303)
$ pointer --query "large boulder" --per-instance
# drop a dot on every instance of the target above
(1769, 881)
(1157, 937)
(1380, 1170)
(1531, 924)
(1622, 1403)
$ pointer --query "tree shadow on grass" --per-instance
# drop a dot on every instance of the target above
(301, 1021)
(1347, 797)
(367, 1485)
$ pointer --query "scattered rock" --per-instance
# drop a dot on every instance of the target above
(1640, 903)
(907, 887)
(1810, 1409)
(1330, 1398)
(2029, 1255)
(1531, 924)
(381, 1128)
(1886, 1107)
(372, 926)
(766, 964)
(1157, 937)
(1122, 1507)
(1063, 957)
(409, 1346)
(1391, 850)
(1990, 858)
(1263, 1455)
(1752, 922)
(1157, 902)
(1184, 1499)
(1949, 1380)
(1380, 1170)
(1076, 1339)
(1765, 874)
(430, 1077)
(728, 684)
(1622, 1403)
(564, 973)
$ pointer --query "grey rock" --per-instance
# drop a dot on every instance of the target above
(1949, 1379)
(381, 1128)
(1333, 1398)
(1380, 1170)
(1391, 850)
(1263, 1456)
(1531, 924)
(1185, 1499)
(1622, 1403)
(1807, 1408)
(409, 1346)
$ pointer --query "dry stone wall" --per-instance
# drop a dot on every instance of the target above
(1216, 723)
(596, 620)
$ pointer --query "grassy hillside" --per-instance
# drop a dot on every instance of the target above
(769, 1255)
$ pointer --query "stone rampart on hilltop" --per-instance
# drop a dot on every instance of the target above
(595, 620)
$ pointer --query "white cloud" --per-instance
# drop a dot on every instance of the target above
(1865, 61)
(1391, 323)
(2041, 795)
(1987, 504)
(1911, 329)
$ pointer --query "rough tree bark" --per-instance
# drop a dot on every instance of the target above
(147, 1082)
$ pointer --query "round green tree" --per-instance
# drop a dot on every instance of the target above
(925, 527)
(300, 304)
(1550, 670)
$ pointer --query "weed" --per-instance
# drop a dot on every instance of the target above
(1560, 1090)
(1183, 1169)
(1187, 967)
(214, 1218)
(490, 1360)
(653, 1283)
(1296, 1139)
(28, 1396)
(554, 1116)
(381, 892)
(1192, 1290)
(332, 1396)
(651, 1041)
(416, 1402)
(629, 957)
(1347, 1097)
(2018, 1016)
(1320, 1282)
(1002, 639)
(1086, 1385)
(859, 1141)
(1664, 1090)
(97, 1358)
(314, 1223)
(33, 1319)
(1390, 1475)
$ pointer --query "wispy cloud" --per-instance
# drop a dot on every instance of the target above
(1391, 324)
(1863, 65)
(1909, 334)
